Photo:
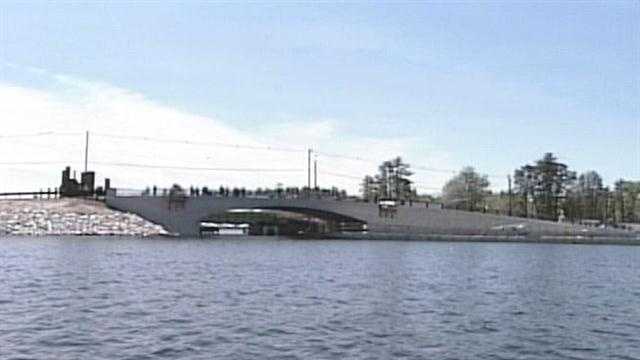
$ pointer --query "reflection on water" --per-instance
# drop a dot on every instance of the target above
(105, 298)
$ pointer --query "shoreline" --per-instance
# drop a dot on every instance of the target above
(559, 240)
(544, 239)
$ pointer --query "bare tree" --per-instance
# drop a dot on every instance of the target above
(466, 190)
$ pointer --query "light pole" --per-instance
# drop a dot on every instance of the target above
(86, 151)
(510, 194)
(309, 169)
(315, 172)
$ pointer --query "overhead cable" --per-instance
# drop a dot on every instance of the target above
(39, 134)
(199, 143)
(170, 167)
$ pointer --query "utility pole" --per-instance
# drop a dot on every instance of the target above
(86, 152)
(510, 194)
(309, 169)
(315, 172)
(389, 182)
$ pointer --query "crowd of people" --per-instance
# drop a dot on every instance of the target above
(267, 193)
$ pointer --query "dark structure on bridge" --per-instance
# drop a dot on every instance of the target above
(70, 187)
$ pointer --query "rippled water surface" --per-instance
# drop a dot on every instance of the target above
(261, 298)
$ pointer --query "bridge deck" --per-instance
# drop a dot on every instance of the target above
(409, 220)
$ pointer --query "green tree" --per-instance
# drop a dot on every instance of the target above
(400, 182)
(543, 187)
(382, 179)
(627, 201)
(524, 188)
(393, 180)
(466, 190)
(369, 188)
(572, 205)
(592, 195)
(552, 180)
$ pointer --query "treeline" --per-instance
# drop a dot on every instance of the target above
(549, 190)
(546, 189)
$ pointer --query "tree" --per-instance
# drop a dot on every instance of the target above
(523, 179)
(466, 190)
(542, 186)
(392, 180)
(572, 205)
(627, 200)
(552, 179)
(591, 193)
(400, 182)
(369, 188)
(382, 179)
(633, 191)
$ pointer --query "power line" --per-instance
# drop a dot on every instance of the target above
(39, 134)
(268, 148)
(33, 162)
(352, 177)
(198, 143)
(412, 167)
(418, 184)
(272, 148)
(169, 167)
(57, 149)
(235, 146)
(426, 186)
(428, 169)
(346, 157)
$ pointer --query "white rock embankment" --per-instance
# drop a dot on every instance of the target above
(70, 217)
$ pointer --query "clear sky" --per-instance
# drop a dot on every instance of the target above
(493, 85)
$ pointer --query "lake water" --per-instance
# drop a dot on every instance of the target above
(270, 298)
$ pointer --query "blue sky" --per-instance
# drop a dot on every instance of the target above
(493, 85)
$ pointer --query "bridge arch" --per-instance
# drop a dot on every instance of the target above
(319, 213)
(185, 218)
(280, 220)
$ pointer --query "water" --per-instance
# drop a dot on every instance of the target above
(269, 298)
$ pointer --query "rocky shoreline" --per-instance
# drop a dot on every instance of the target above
(71, 217)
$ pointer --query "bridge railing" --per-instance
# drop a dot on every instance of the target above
(121, 192)
(41, 194)
(249, 194)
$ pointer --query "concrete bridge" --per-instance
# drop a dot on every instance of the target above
(184, 215)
